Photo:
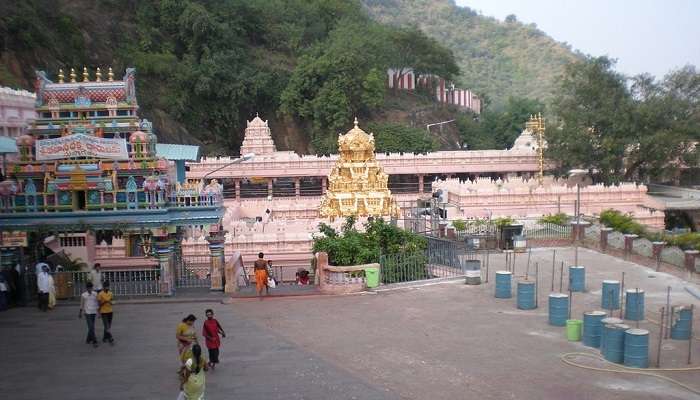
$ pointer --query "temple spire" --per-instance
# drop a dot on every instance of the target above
(60, 75)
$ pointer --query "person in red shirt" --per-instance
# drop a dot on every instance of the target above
(211, 331)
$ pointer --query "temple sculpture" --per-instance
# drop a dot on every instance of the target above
(357, 185)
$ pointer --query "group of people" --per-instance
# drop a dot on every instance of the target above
(96, 302)
(192, 363)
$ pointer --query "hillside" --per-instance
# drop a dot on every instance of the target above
(309, 66)
(497, 59)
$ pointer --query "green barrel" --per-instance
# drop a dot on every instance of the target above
(573, 330)
(372, 277)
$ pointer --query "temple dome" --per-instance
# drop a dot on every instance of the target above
(257, 122)
(356, 144)
(25, 140)
(139, 136)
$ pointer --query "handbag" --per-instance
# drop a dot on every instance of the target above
(271, 283)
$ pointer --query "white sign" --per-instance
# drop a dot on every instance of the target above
(80, 145)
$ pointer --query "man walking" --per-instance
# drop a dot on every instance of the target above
(89, 306)
(43, 285)
(104, 298)
(260, 267)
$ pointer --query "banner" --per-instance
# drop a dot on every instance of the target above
(13, 239)
(80, 145)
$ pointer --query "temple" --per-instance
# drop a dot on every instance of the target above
(358, 186)
(89, 170)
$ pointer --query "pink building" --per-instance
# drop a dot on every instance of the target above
(16, 111)
(445, 92)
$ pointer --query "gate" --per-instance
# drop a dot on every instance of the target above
(192, 271)
(441, 259)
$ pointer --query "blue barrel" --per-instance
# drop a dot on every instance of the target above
(611, 295)
(592, 328)
(577, 278)
(681, 323)
(636, 348)
(603, 323)
(615, 342)
(634, 305)
(558, 309)
(503, 285)
(526, 295)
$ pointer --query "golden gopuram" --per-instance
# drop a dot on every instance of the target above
(357, 186)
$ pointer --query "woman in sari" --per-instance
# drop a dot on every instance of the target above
(192, 378)
(186, 338)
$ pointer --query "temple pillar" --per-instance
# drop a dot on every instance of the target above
(90, 247)
(163, 249)
(237, 184)
(297, 187)
(421, 178)
(324, 185)
(216, 269)
(269, 188)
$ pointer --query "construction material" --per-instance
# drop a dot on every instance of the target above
(592, 328)
(615, 342)
(681, 320)
(558, 309)
(577, 278)
(610, 295)
(636, 348)
(503, 284)
(526, 295)
(634, 305)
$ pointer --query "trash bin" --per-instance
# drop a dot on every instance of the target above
(372, 277)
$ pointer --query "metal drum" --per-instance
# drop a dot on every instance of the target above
(603, 323)
(577, 278)
(592, 328)
(503, 285)
(634, 305)
(681, 323)
(558, 309)
(472, 272)
(615, 342)
(636, 348)
(526, 295)
(611, 295)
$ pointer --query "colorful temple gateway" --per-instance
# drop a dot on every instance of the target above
(357, 184)
(89, 168)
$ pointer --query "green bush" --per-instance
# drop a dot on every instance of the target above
(556, 219)
(459, 225)
(352, 247)
(621, 222)
(503, 221)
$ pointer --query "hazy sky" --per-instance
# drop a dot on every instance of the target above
(652, 36)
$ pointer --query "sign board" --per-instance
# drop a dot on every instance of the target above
(80, 145)
(13, 239)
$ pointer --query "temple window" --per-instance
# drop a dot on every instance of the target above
(64, 114)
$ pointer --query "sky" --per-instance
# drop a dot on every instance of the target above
(653, 36)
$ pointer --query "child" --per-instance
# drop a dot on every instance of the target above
(211, 331)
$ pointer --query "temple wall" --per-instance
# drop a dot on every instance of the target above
(16, 111)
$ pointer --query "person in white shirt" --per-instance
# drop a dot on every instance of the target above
(96, 277)
(89, 306)
(43, 284)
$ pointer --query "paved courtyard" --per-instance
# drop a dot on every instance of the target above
(443, 341)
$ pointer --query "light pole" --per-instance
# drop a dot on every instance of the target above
(577, 208)
(245, 157)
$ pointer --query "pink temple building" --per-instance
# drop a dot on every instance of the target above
(16, 111)
(272, 201)
(445, 92)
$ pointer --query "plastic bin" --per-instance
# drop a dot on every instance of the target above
(372, 277)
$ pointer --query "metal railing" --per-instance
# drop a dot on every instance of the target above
(193, 271)
(547, 231)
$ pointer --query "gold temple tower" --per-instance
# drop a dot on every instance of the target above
(357, 185)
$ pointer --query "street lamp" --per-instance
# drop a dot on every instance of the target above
(245, 157)
(577, 208)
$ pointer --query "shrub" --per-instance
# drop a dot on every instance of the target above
(459, 225)
(621, 222)
(556, 219)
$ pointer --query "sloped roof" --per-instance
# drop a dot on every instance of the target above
(177, 151)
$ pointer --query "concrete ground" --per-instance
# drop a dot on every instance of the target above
(442, 341)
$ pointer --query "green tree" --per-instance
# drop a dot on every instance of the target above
(395, 138)
(411, 49)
